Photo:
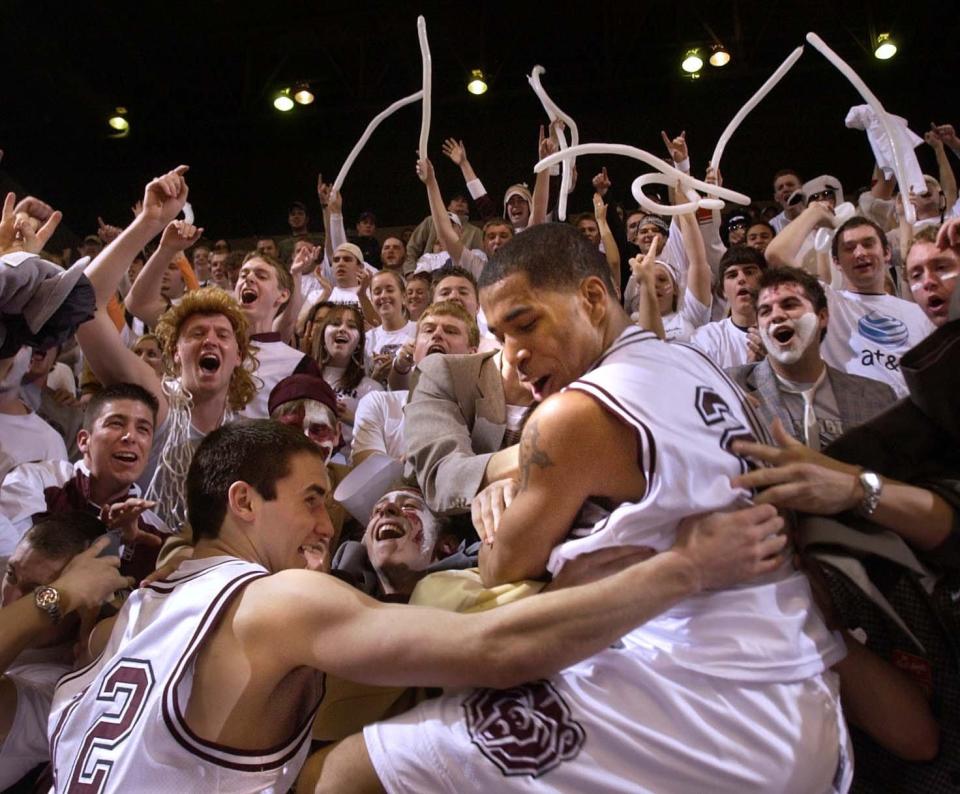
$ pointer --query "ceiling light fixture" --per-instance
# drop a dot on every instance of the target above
(719, 55)
(477, 84)
(282, 101)
(885, 48)
(302, 94)
(118, 120)
(692, 62)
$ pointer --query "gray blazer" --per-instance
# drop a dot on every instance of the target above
(859, 399)
(454, 420)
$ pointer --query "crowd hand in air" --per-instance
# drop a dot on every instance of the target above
(644, 268)
(180, 235)
(106, 232)
(945, 134)
(601, 183)
(488, 507)
(305, 260)
(164, 197)
(797, 477)
(323, 191)
(949, 235)
(455, 150)
(125, 517)
(27, 225)
(713, 176)
(334, 202)
(425, 170)
(677, 147)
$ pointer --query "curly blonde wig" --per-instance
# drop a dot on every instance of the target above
(209, 301)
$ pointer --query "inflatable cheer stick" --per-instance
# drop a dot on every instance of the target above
(358, 146)
(751, 103)
(427, 85)
(668, 175)
(909, 210)
(554, 114)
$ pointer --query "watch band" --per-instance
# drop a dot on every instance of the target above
(47, 599)
(872, 486)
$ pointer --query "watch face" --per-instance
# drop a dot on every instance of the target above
(47, 598)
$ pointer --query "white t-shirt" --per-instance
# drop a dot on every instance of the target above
(474, 260)
(379, 340)
(351, 397)
(724, 342)
(868, 334)
(277, 360)
(430, 262)
(27, 438)
(378, 424)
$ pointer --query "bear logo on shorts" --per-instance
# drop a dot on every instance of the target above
(526, 730)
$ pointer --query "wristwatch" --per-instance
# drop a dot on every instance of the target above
(47, 600)
(872, 486)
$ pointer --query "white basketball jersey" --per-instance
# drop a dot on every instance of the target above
(118, 725)
(686, 414)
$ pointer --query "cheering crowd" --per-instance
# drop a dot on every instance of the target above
(628, 502)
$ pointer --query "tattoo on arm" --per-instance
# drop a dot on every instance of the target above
(530, 453)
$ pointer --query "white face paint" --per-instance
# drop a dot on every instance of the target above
(321, 427)
(806, 328)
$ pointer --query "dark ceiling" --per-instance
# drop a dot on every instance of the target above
(197, 80)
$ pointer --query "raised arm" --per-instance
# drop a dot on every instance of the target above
(163, 199)
(644, 274)
(783, 248)
(486, 206)
(610, 249)
(285, 323)
(541, 187)
(948, 182)
(699, 275)
(438, 211)
(144, 299)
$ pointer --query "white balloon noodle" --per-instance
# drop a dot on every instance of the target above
(908, 209)
(554, 113)
(427, 84)
(358, 146)
(668, 176)
(751, 103)
(423, 94)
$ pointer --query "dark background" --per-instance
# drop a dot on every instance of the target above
(198, 80)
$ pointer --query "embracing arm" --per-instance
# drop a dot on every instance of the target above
(553, 484)
(803, 479)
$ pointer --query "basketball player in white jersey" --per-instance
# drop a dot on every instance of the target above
(726, 691)
(210, 678)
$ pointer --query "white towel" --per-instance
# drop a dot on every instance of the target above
(863, 117)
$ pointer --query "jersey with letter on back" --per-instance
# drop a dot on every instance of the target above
(118, 725)
(686, 414)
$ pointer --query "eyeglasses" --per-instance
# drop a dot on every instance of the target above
(823, 195)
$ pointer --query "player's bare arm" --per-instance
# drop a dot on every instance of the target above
(571, 450)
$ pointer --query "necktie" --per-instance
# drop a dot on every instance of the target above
(811, 425)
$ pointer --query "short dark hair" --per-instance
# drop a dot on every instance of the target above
(257, 452)
(450, 269)
(739, 255)
(854, 223)
(552, 256)
(62, 536)
(118, 391)
(811, 287)
(420, 275)
(786, 172)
